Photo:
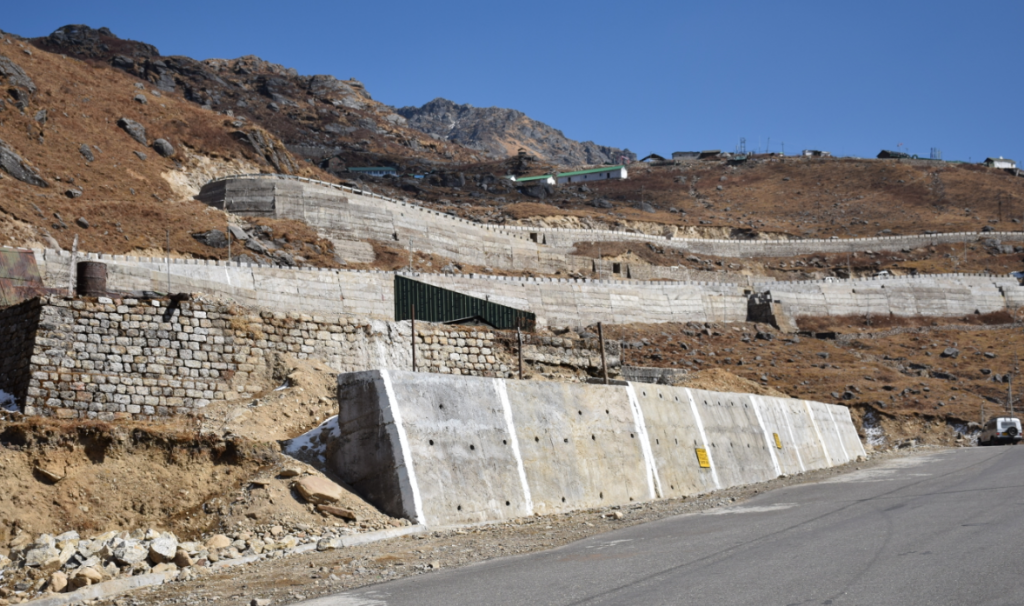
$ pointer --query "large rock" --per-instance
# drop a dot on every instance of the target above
(58, 581)
(86, 152)
(214, 238)
(42, 552)
(163, 147)
(15, 76)
(129, 553)
(218, 541)
(16, 167)
(319, 491)
(134, 129)
(163, 548)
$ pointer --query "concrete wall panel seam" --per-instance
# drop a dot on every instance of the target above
(755, 401)
(653, 481)
(817, 432)
(703, 437)
(506, 407)
(792, 438)
(839, 434)
(410, 488)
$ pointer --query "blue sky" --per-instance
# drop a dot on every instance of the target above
(848, 77)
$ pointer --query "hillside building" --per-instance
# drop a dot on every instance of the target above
(374, 171)
(1000, 162)
(534, 180)
(816, 153)
(593, 174)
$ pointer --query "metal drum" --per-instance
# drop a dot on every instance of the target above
(92, 279)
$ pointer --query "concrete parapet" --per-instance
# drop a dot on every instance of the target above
(451, 450)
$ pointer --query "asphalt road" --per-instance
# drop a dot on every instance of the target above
(942, 528)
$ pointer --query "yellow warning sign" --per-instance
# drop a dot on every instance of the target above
(778, 442)
(702, 458)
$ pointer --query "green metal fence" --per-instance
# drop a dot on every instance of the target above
(435, 304)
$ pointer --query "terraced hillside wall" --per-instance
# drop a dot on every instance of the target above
(348, 215)
(556, 302)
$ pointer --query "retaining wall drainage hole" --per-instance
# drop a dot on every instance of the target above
(606, 412)
(630, 498)
(600, 495)
(566, 440)
(645, 393)
(563, 499)
(593, 437)
(471, 447)
(459, 507)
(672, 487)
(504, 442)
(661, 396)
(631, 435)
(536, 439)
(431, 442)
(441, 406)
(657, 441)
(580, 411)
(507, 503)
(677, 398)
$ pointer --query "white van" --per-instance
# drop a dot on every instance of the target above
(1000, 430)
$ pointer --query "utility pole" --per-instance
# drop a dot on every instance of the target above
(519, 337)
(604, 363)
(71, 269)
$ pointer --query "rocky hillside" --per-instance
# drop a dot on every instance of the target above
(502, 132)
(330, 122)
(92, 152)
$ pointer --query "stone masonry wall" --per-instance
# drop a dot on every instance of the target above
(128, 358)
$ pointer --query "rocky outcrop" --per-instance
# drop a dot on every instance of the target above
(501, 132)
(318, 118)
(16, 167)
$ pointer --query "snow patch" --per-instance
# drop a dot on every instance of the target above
(873, 431)
(311, 447)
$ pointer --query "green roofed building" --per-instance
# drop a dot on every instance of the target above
(592, 174)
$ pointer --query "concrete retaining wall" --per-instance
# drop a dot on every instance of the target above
(449, 450)
(557, 302)
(346, 214)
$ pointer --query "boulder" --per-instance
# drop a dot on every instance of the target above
(182, 559)
(238, 233)
(338, 512)
(218, 541)
(163, 147)
(82, 222)
(163, 548)
(134, 129)
(214, 238)
(58, 581)
(319, 491)
(15, 76)
(601, 203)
(130, 553)
(140, 98)
(16, 167)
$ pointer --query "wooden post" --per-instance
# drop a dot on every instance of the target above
(168, 262)
(519, 336)
(413, 309)
(604, 363)
(72, 272)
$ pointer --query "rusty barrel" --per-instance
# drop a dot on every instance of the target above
(92, 279)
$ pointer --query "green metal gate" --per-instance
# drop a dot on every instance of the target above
(435, 304)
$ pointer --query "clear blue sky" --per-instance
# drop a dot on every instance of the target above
(661, 76)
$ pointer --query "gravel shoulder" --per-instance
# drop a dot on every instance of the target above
(309, 575)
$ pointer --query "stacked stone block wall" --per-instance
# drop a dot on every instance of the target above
(129, 358)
